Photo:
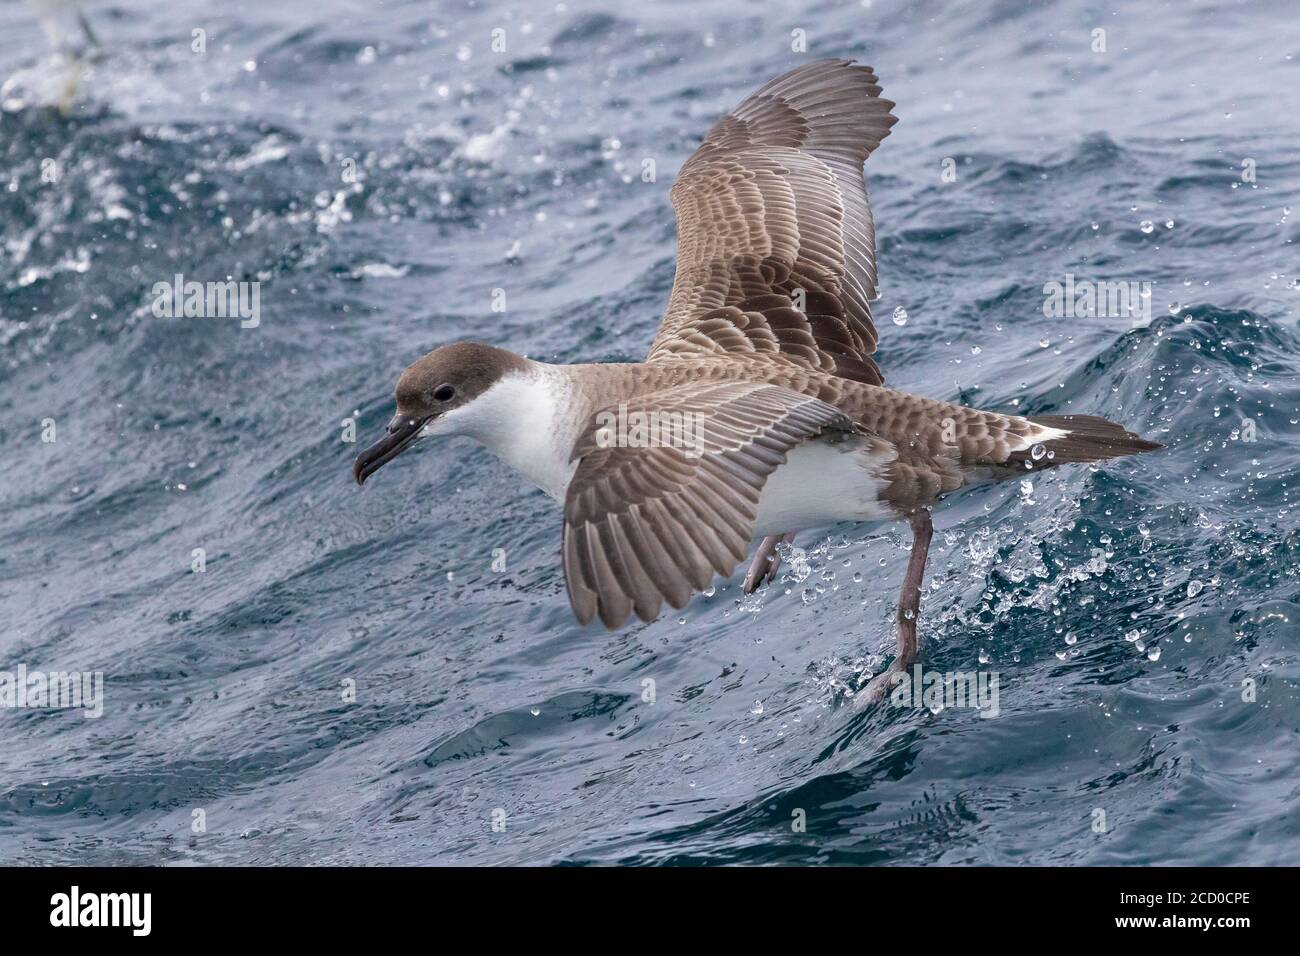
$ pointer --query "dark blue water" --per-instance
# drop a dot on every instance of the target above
(1123, 606)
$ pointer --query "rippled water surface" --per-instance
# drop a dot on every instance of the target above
(1122, 607)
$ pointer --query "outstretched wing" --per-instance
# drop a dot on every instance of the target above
(776, 248)
(652, 513)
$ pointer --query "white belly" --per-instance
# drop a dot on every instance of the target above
(822, 483)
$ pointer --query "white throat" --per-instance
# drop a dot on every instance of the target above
(526, 419)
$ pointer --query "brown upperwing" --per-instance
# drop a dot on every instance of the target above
(776, 248)
(645, 524)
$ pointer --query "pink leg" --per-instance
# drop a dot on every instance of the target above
(766, 549)
(909, 609)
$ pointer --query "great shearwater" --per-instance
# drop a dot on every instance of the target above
(759, 409)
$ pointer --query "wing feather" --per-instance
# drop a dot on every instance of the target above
(776, 247)
(647, 524)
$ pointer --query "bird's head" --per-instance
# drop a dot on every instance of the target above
(436, 396)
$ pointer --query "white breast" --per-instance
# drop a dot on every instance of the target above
(527, 421)
(823, 483)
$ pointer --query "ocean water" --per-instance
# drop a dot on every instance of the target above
(350, 681)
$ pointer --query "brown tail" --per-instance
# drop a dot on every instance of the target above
(1090, 438)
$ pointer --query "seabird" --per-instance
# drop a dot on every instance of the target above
(71, 38)
(778, 416)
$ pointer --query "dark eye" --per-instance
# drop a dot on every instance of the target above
(444, 393)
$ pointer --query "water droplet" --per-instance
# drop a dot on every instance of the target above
(710, 591)
(535, 711)
(1037, 452)
(1169, 224)
(757, 708)
(1132, 636)
(900, 315)
(984, 656)
(1175, 308)
(1153, 653)
(975, 350)
(1072, 638)
(1194, 587)
(1147, 226)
